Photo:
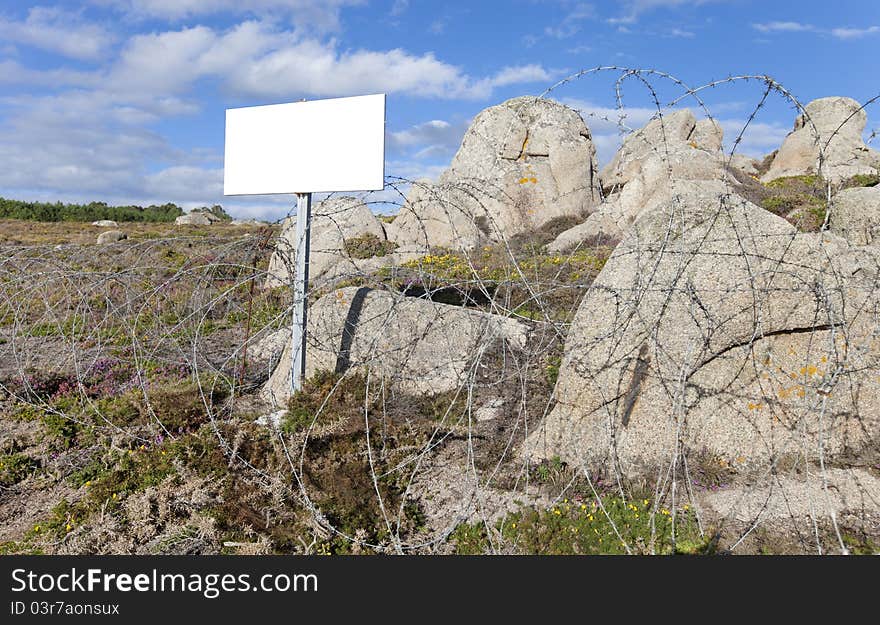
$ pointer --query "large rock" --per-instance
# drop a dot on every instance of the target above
(672, 155)
(196, 218)
(716, 331)
(333, 222)
(111, 236)
(855, 215)
(660, 138)
(420, 346)
(521, 164)
(744, 164)
(105, 223)
(831, 127)
(671, 149)
(599, 226)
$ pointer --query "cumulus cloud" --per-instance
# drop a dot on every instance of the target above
(435, 139)
(253, 59)
(59, 31)
(14, 73)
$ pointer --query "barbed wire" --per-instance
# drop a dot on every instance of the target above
(457, 386)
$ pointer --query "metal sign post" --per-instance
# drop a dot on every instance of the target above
(300, 292)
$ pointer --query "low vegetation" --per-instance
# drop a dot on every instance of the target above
(94, 211)
(608, 525)
(368, 246)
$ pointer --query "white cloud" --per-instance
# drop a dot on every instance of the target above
(680, 33)
(759, 138)
(321, 69)
(796, 27)
(411, 170)
(438, 26)
(322, 14)
(571, 23)
(633, 9)
(187, 183)
(58, 31)
(399, 7)
(435, 139)
(253, 59)
(855, 33)
(516, 75)
(12, 72)
(789, 27)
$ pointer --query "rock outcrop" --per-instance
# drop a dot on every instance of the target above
(334, 221)
(856, 215)
(521, 164)
(111, 236)
(196, 218)
(832, 128)
(667, 156)
(717, 330)
(420, 346)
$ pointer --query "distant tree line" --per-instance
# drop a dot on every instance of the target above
(93, 211)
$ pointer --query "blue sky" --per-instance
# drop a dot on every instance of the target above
(124, 100)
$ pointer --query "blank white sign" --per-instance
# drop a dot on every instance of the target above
(306, 147)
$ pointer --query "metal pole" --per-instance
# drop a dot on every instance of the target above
(300, 292)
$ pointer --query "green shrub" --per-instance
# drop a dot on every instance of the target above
(368, 246)
(16, 467)
(863, 180)
(181, 406)
(60, 429)
(470, 539)
(786, 182)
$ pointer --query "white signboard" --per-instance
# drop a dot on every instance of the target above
(306, 147)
